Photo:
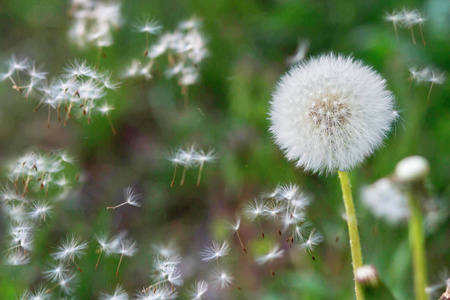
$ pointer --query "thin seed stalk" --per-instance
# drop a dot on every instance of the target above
(183, 176)
(200, 173)
(396, 31)
(260, 227)
(429, 93)
(240, 241)
(118, 266)
(421, 34)
(174, 176)
(352, 223)
(417, 245)
(114, 207)
(98, 261)
(111, 124)
(412, 35)
(76, 265)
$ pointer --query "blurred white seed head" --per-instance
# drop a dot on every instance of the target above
(221, 279)
(300, 53)
(385, 200)
(197, 290)
(330, 113)
(148, 26)
(132, 197)
(274, 253)
(412, 169)
(215, 250)
(38, 293)
(253, 210)
(314, 239)
(117, 293)
(56, 271)
(17, 257)
(236, 225)
(70, 247)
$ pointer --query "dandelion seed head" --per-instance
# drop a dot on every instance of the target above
(127, 247)
(197, 290)
(314, 239)
(221, 279)
(300, 53)
(215, 250)
(56, 271)
(40, 210)
(132, 197)
(148, 26)
(330, 113)
(69, 248)
(17, 257)
(254, 209)
(117, 293)
(274, 253)
(236, 225)
(385, 200)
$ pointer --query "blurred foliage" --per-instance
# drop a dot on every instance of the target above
(248, 43)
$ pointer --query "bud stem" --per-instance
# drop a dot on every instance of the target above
(417, 245)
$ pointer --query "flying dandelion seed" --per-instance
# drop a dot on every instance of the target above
(254, 210)
(234, 227)
(131, 198)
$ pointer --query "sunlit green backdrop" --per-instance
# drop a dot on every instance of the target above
(248, 43)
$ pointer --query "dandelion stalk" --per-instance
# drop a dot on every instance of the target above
(352, 223)
(417, 244)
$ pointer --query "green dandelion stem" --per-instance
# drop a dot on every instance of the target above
(352, 223)
(417, 244)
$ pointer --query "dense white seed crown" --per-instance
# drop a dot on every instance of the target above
(330, 112)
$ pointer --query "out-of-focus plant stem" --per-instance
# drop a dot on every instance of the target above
(417, 245)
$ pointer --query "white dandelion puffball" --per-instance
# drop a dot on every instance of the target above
(330, 112)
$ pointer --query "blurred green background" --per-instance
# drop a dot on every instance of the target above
(248, 43)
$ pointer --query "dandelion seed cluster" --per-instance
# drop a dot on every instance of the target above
(93, 22)
(407, 19)
(185, 49)
(39, 181)
(385, 199)
(329, 113)
(188, 158)
(81, 89)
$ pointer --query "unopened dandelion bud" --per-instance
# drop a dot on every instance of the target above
(446, 294)
(412, 169)
(367, 275)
